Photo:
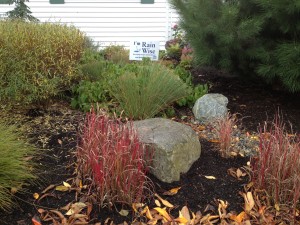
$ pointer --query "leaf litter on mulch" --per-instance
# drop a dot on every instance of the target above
(211, 189)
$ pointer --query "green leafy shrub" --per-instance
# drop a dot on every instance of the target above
(113, 160)
(247, 37)
(94, 89)
(90, 55)
(90, 94)
(116, 53)
(147, 90)
(15, 169)
(174, 51)
(194, 92)
(37, 61)
(276, 169)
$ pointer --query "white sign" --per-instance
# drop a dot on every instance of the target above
(142, 49)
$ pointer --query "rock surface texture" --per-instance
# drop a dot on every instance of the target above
(210, 106)
(176, 146)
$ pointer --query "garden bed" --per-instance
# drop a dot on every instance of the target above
(55, 132)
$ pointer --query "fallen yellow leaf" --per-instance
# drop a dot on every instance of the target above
(157, 203)
(239, 218)
(36, 195)
(185, 213)
(66, 184)
(148, 214)
(165, 202)
(240, 173)
(70, 212)
(163, 213)
(173, 191)
(61, 188)
(124, 212)
(249, 201)
(210, 177)
(136, 206)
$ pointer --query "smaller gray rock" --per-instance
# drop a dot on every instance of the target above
(210, 107)
(176, 146)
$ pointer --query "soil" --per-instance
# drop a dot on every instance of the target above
(54, 131)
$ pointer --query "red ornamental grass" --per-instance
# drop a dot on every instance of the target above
(111, 155)
(224, 129)
(277, 167)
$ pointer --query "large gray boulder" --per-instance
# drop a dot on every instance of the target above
(210, 107)
(176, 146)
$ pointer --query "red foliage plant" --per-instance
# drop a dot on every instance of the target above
(112, 157)
(224, 129)
(276, 169)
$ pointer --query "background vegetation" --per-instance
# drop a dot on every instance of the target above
(37, 61)
(246, 37)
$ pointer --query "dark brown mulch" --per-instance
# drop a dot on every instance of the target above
(54, 131)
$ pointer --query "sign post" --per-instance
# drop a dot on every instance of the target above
(143, 49)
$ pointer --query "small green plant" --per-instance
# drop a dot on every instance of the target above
(195, 92)
(147, 91)
(15, 169)
(112, 158)
(117, 54)
(94, 90)
(88, 94)
(174, 51)
(224, 129)
(276, 169)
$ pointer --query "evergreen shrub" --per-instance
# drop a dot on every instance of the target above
(247, 37)
(16, 167)
(37, 61)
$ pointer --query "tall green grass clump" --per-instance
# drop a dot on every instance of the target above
(15, 166)
(147, 89)
(38, 61)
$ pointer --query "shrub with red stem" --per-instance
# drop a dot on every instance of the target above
(277, 166)
(112, 157)
(224, 130)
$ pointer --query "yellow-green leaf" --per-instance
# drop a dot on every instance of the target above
(61, 188)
